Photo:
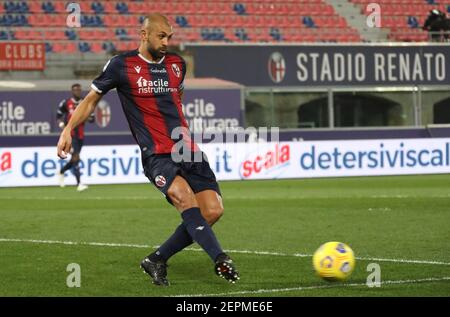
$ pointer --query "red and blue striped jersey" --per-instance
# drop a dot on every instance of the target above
(65, 110)
(150, 94)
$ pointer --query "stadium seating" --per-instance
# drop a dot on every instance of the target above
(404, 18)
(108, 25)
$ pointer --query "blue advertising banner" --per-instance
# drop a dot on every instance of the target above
(325, 65)
(34, 112)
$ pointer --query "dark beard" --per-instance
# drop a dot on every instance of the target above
(156, 54)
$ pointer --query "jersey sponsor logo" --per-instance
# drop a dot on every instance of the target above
(103, 114)
(176, 70)
(160, 181)
(157, 86)
(276, 67)
(158, 71)
(137, 69)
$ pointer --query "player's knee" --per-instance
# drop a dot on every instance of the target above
(213, 213)
(182, 197)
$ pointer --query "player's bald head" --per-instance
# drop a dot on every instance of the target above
(156, 33)
(155, 21)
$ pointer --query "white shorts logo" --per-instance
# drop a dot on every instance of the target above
(160, 181)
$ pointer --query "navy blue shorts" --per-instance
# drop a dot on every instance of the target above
(77, 144)
(161, 170)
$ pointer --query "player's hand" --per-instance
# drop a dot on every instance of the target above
(64, 143)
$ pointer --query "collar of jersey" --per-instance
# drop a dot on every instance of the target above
(150, 62)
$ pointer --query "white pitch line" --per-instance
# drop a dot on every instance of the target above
(305, 288)
(270, 253)
(228, 197)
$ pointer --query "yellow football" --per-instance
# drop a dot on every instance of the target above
(334, 261)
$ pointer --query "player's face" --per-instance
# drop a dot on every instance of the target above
(157, 39)
(76, 92)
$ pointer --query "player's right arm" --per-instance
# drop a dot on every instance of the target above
(80, 115)
(107, 80)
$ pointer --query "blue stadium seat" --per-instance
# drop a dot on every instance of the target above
(122, 34)
(9, 20)
(24, 7)
(239, 8)
(22, 20)
(10, 7)
(48, 7)
(275, 34)
(309, 22)
(98, 8)
(204, 33)
(84, 47)
(109, 47)
(98, 20)
(242, 34)
(412, 22)
(122, 8)
(3, 35)
(181, 21)
(48, 47)
(71, 34)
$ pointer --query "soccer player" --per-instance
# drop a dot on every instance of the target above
(149, 82)
(65, 110)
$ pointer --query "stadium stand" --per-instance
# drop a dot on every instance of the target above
(106, 25)
(404, 18)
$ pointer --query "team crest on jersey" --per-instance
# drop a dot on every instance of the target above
(176, 70)
(160, 181)
(277, 67)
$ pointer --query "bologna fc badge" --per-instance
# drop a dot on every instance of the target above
(103, 114)
(176, 70)
(160, 181)
(276, 67)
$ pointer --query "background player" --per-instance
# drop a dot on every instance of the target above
(65, 110)
(149, 82)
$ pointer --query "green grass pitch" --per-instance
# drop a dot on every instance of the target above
(400, 222)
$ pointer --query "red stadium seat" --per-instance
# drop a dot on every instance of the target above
(96, 47)
(60, 6)
(34, 7)
(286, 15)
(85, 7)
(55, 35)
(109, 7)
(86, 35)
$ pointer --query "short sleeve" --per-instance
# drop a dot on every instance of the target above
(61, 109)
(109, 78)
